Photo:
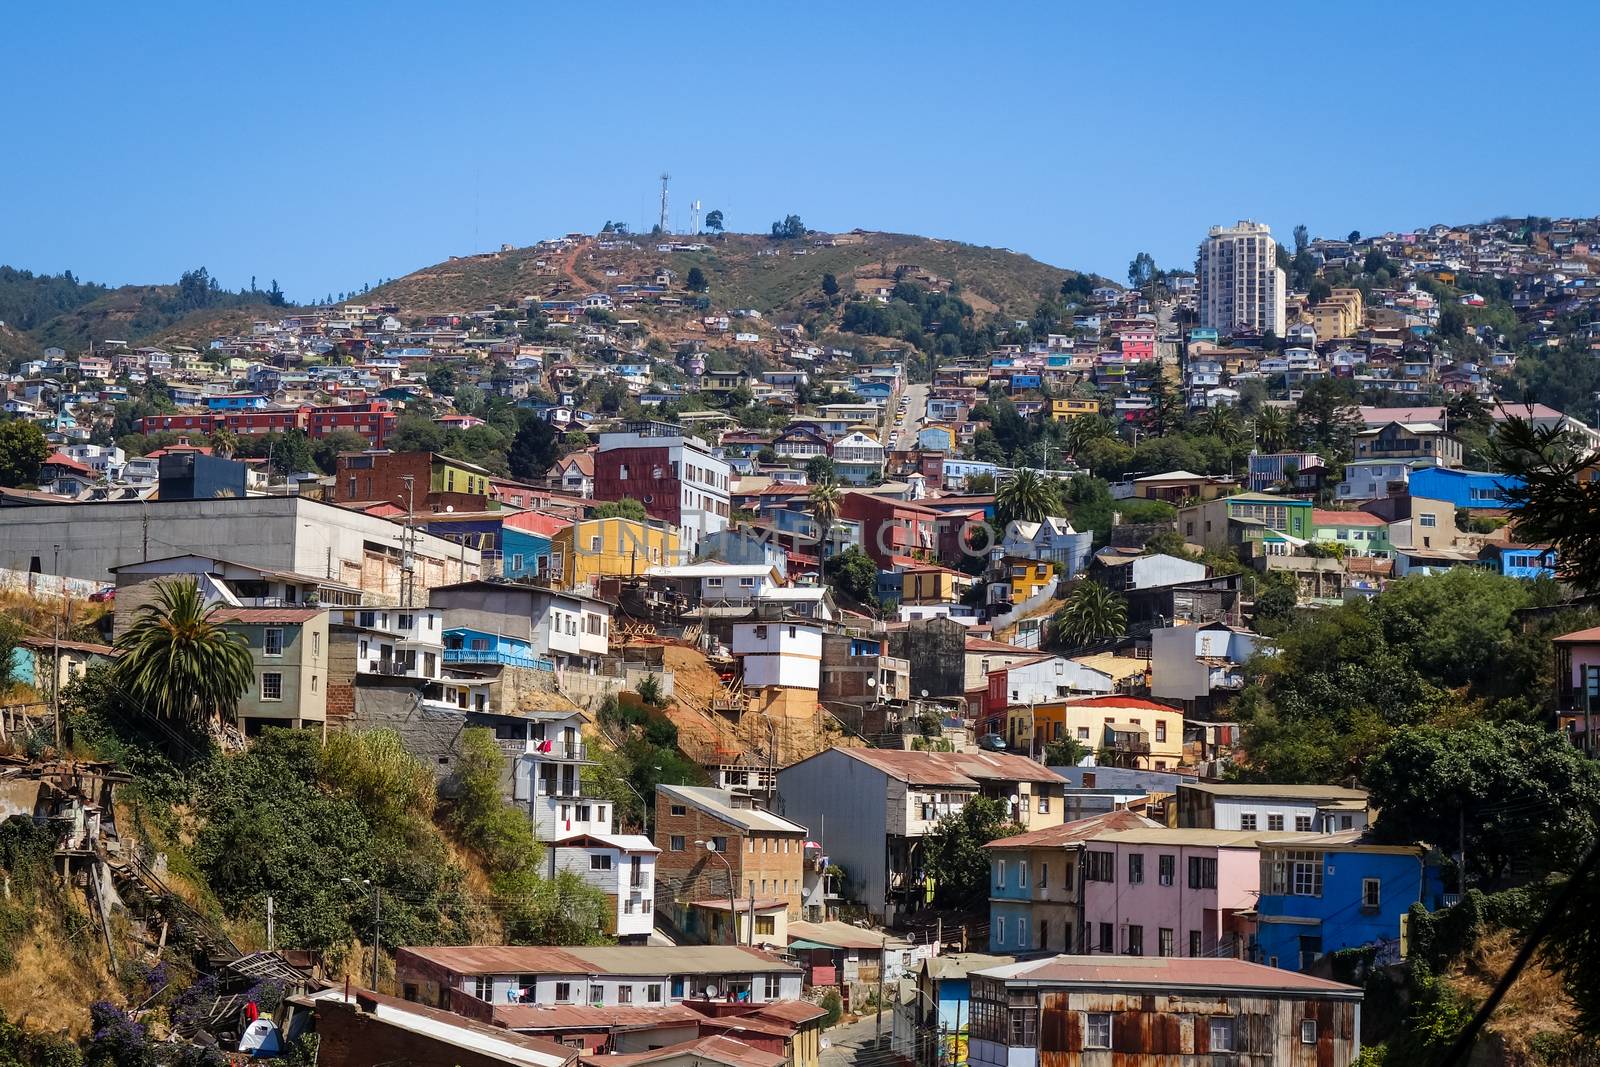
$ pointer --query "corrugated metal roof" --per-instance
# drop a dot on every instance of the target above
(719, 802)
(952, 768)
(528, 1017)
(267, 616)
(714, 1049)
(1255, 789)
(1167, 972)
(604, 959)
(1073, 832)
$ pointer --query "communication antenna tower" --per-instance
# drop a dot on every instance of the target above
(694, 217)
(665, 178)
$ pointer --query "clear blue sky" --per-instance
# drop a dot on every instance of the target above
(330, 144)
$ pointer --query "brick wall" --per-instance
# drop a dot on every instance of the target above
(697, 875)
(352, 1038)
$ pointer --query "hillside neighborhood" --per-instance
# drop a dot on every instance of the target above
(816, 649)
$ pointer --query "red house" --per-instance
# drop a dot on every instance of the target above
(891, 528)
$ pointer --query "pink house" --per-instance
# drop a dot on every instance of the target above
(1166, 892)
(1138, 344)
(1577, 662)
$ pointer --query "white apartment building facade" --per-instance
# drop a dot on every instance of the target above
(1240, 282)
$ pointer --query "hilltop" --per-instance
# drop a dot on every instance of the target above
(38, 311)
(740, 276)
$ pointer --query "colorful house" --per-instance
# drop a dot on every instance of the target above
(1464, 488)
(1338, 891)
(610, 547)
(1358, 532)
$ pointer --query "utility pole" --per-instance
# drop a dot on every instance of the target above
(751, 938)
(377, 934)
(271, 941)
(883, 954)
(407, 544)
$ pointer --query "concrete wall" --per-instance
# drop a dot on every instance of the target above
(590, 690)
(286, 533)
(49, 585)
(842, 802)
(936, 650)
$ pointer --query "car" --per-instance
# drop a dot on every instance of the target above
(992, 743)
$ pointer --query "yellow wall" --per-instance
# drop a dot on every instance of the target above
(1065, 410)
(928, 587)
(624, 547)
(1028, 577)
(448, 478)
(1051, 721)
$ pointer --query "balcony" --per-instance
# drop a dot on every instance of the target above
(495, 658)
(557, 750)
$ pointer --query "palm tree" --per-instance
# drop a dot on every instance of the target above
(1092, 614)
(825, 501)
(1025, 498)
(1085, 428)
(1272, 430)
(177, 662)
(1222, 422)
(224, 442)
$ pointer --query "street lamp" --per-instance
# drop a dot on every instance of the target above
(377, 918)
(733, 909)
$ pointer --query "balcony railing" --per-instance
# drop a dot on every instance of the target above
(492, 657)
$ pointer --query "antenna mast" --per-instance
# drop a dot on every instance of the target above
(665, 178)
(694, 217)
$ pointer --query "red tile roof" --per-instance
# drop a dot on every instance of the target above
(1580, 637)
(585, 1017)
(713, 1049)
(1328, 517)
(1169, 972)
(61, 459)
(1137, 703)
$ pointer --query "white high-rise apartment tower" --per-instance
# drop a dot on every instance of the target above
(1240, 283)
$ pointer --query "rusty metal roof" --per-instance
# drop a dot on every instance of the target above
(530, 1017)
(952, 768)
(604, 959)
(1071, 833)
(1166, 972)
(714, 1049)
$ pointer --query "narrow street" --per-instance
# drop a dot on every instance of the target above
(856, 1045)
(903, 434)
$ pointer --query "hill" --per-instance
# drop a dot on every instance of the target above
(991, 279)
(38, 311)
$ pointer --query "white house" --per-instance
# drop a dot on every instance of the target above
(1252, 806)
(785, 654)
(1047, 678)
(1190, 663)
(623, 867)
(858, 457)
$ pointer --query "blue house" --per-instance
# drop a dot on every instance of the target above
(743, 547)
(237, 402)
(1463, 488)
(520, 540)
(1522, 561)
(1020, 382)
(1337, 891)
(465, 645)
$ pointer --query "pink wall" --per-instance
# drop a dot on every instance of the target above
(1176, 907)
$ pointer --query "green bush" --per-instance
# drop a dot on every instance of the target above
(833, 1004)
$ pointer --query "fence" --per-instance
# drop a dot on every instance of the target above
(48, 585)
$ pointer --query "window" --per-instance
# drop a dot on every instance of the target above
(1022, 932)
(1000, 932)
(1274, 821)
(1097, 867)
(1308, 1031)
(272, 642)
(1022, 1017)
(1136, 941)
(1083, 733)
(713, 583)
(1247, 821)
(272, 686)
(563, 992)
(1106, 942)
(677, 843)
(652, 993)
(1370, 894)
(771, 987)
(1161, 730)
(483, 987)
(1194, 943)
(680, 809)
(1097, 1029)
(1202, 872)
(719, 844)
(1221, 1033)
(599, 863)
(1022, 874)
(594, 543)
(1166, 868)
(1429, 520)
(1164, 941)
(1302, 823)
(1136, 868)
(597, 993)
(999, 874)
(624, 994)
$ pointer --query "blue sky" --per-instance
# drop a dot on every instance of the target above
(328, 145)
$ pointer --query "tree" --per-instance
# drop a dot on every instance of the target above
(442, 380)
(1275, 603)
(275, 295)
(1025, 498)
(714, 221)
(790, 229)
(533, 449)
(825, 500)
(1142, 271)
(853, 573)
(178, 662)
(1092, 614)
(1272, 430)
(1524, 794)
(1355, 235)
(819, 469)
(224, 442)
(954, 856)
(1302, 238)
(328, 449)
(626, 508)
(1065, 752)
(22, 450)
(696, 280)
(830, 285)
(1556, 504)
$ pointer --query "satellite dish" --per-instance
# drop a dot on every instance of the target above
(711, 990)
(924, 694)
(449, 509)
(871, 682)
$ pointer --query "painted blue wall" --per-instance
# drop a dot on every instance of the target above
(1529, 563)
(1464, 489)
(1341, 921)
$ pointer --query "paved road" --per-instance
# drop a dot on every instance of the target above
(853, 1045)
(904, 434)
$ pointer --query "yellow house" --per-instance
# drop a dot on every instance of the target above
(610, 547)
(1122, 731)
(933, 585)
(1028, 576)
(1069, 408)
(446, 475)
